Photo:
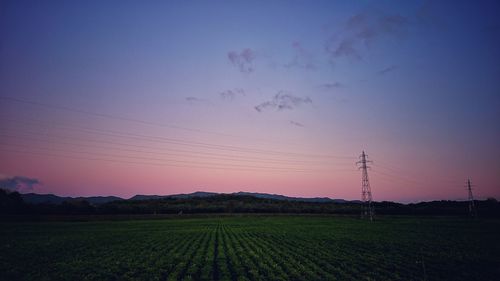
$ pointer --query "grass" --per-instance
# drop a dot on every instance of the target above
(252, 248)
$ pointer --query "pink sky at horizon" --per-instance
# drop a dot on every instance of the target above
(130, 158)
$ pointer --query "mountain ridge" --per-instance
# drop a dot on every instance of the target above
(36, 198)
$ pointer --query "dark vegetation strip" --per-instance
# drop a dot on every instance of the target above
(347, 260)
(205, 269)
(135, 265)
(290, 267)
(323, 249)
(223, 261)
(109, 264)
(200, 258)
(322, 256)
(172, 256)
(183, 257)
(277, 245)
(190, 253)
(173, 240)
(254, 269)
(215, 265)
(239, 270)
(293, 269)
(315, 255)
(270, 268)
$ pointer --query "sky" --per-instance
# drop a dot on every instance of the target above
(165, 97)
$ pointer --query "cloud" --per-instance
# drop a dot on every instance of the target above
(195, 100)
(302, 58)
(329, 86)
(263, 106)
(232, 94)
(387, 69)
(242, 60)
(346, 48)
(297, 124)
(18, 183)
(361, 31)
(282, 101)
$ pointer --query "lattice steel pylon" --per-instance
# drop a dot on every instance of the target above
(366, 193)
(472, 207)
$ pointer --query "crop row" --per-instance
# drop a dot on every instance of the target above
(249, 249)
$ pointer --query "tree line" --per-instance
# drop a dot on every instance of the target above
(11, 203)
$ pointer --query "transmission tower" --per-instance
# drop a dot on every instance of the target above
(366, 193)
(472, 207)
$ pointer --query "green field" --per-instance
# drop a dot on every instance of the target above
(252, 248)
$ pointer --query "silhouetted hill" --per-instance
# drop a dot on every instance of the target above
(34, 198)
(147, 197)
(187, 195)
(287, 198)
(252, 194)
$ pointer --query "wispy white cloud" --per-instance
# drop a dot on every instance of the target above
(301, 58)
(283, 101)
(243, 60)
(387, 69)
(195, 100)
(361, 31)
(297, 124)
(232, 94)
(330, 86)
(18, 183)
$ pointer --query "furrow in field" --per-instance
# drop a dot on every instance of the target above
(206, 268)
(272, 268)
(215, 256)
(182, 267)
(321, 256)
(313, 252)
(256, 269)
(176, 254)
(140, 254)
(197, 260)
(240, 271)
(162, 247)
(308, 269)
(293, 269)
(171, 257)
(113, 262)
(222, 261)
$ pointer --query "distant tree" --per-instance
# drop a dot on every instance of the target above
(10, 202)
(77, 207)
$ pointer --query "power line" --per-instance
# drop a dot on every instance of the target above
(388, 178)
(162, 160)
(187, 154)
(389, 167)
(396, 177)
(408, 179)
(122, 161)
(212, 167)
(127, 119)
(27, 136)
(182, 142)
